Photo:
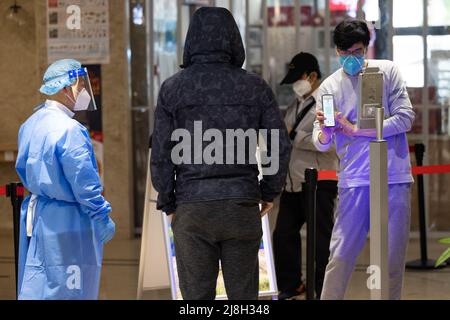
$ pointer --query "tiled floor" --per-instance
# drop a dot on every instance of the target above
(120, 273)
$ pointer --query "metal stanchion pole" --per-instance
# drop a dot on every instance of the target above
(311, 188)
(379, 211)
(422, 263)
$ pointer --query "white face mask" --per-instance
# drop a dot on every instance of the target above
(301, 87)
(83, 101)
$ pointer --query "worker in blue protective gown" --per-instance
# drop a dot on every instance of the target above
(65, 220)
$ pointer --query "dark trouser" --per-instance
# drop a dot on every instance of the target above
(205, 233)
(287, 241)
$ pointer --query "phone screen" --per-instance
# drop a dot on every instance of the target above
(328, 110)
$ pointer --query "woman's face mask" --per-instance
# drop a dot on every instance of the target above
(301, 87)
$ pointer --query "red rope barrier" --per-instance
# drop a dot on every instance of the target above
(20, 191)
(327, 175)
(445, 168)
(323, 175)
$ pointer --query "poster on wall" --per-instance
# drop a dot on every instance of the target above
(78, 29)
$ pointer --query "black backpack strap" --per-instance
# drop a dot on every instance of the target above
(300, 117)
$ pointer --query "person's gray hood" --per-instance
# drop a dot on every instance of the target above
(213, 36)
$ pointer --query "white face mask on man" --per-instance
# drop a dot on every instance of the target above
(82, 101)
(301, 87)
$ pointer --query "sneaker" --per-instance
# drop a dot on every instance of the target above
(297, 294)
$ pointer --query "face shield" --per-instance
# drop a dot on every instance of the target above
(85, 97)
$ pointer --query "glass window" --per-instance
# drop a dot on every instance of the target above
(281, 46)
(164, 39)
(223, 3)
(439, 69)
(408, 55)
(372, 10)
(312, 31)
(412, 18)
(255, 12)
(139, 61)
(274, 3)
(439, 12)
(255, 37)
(438, 55)
(239, 13)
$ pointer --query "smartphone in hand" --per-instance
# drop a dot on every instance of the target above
(328, 110)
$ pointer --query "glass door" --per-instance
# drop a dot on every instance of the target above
(139, 55)
(421, 44)
(438, 106)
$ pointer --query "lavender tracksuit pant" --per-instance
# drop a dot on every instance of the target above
(350, 234)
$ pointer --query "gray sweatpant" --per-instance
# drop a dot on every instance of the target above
(205, 233)
(350, 234)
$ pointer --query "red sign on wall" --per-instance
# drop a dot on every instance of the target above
(284, 16)
(343, 5)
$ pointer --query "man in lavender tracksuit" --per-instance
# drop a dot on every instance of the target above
(352, 145)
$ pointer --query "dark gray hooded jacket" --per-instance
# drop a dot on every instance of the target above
(214, 89)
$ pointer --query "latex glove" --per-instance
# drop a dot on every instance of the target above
(105, 228)
(349, 129)
(265, 208)
(327, 132)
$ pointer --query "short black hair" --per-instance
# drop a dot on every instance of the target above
(349, 32)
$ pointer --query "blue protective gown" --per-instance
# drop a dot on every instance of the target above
(63, 257)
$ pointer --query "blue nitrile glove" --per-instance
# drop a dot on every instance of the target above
(105, 228)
